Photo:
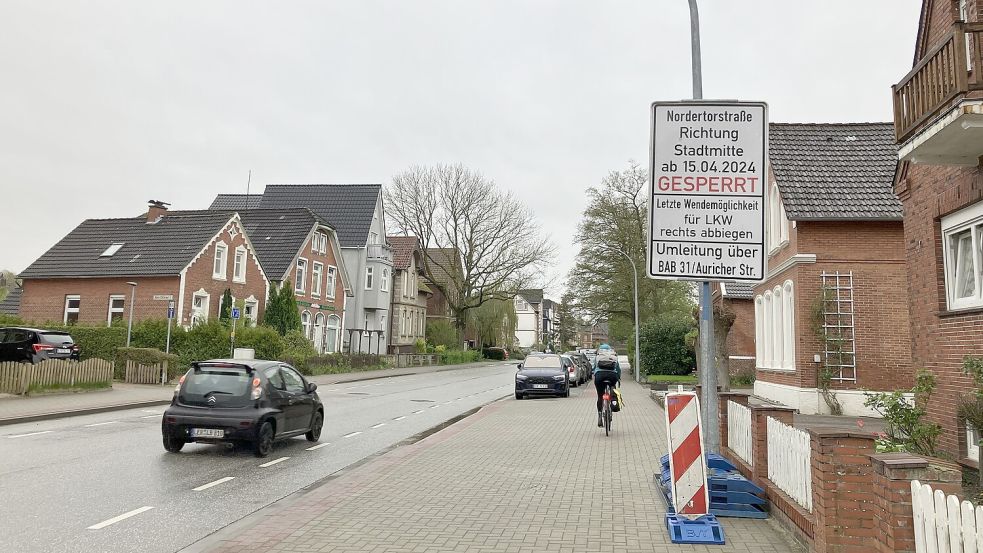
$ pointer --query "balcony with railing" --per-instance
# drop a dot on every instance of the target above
(379, 252)
(937, 118)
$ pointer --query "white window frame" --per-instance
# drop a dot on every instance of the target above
(112, 249)
(369, 275)
(111, 311)
(76, 310)
(774, 328)
(317, 272)
(788, 326)
(406, 284)
(201, 293)
(968, 219)
(300, 281)
(324, 243)
(332, 282)
(384, 282)
(306, 324)
(220, 261)
(972, 443)
(250, 304)
(333, 326)
(239, 261)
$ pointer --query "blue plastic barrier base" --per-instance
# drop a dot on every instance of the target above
(705, 529)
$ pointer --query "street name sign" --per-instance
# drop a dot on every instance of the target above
(707, 191)
(163, 297)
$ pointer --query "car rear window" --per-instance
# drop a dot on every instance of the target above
(228, 385)
(534, 362)
(56, 338)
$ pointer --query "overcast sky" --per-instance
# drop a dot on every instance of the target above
(105, 105)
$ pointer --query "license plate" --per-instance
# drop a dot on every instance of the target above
(64, 350)
(207, 433)
(541, 386)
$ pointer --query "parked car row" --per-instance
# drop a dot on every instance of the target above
(33, 345)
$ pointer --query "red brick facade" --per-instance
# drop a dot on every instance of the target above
(740, 339)
(323, 307)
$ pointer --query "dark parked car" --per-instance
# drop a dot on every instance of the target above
(583, 365)
(542, 374)
(33, 345)
(237, 401)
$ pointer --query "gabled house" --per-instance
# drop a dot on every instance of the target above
(90, 274)
(529, 317)
(409, 295)
(296, 246)
(939, 129)
(356, 213)
(831, 318)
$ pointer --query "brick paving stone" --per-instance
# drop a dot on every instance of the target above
(519, 476)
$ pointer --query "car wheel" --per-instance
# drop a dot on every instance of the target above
(316, 424)
(518, 395)
(172, 443)
(567, 392)
(264, 440)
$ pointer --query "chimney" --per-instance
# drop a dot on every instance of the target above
(155, 210)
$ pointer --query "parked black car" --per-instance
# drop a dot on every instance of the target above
(585, 366)
(237, 401)
(33, 345)
(542, 374)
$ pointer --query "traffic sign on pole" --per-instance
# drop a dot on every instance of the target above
(235, 312)
(708, 179)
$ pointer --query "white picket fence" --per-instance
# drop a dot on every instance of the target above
(790, 461)
(943, 524)
(739, 430)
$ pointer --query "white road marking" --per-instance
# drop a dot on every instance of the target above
(215, 483)
(400, 418)
(100, 424)
(273, 462)
(434, 406)
(114, 520)
(30, 434)
(151, 416)
(319, 446)
(417, 412)
(352, 434)
(378, 425)
(152, 411)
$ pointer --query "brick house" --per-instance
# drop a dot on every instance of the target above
(357, 213)
(833, 300)
(939, 130)
(189, 259)
(738, 298)
(409, 295)
(296, 246)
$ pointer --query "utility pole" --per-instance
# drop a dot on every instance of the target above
(708, 369)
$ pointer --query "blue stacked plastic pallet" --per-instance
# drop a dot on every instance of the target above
(731, 495)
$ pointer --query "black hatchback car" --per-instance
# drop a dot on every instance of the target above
(542, 374)
(33, 345)
(242, 401)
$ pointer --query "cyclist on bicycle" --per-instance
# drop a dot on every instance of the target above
(607, 372)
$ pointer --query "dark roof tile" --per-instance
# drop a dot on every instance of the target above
(11, 304)
(403, 250)
(348, 208)
(236, 201)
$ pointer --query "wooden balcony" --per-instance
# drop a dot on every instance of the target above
(945, 74)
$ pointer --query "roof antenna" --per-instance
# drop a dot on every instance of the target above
(249, 180)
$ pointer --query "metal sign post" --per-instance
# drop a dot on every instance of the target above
(167, 346)
(235, 317)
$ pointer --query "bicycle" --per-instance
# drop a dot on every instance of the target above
(606, 412)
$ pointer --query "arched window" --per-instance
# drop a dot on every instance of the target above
(788, 327)
(776, 328)
(759, 330)
(305, 323)
(769, 332)
(332, 342)
(318, 332)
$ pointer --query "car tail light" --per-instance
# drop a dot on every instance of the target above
(38, 348)
(571, 369)
(257, 391)
(179, 383)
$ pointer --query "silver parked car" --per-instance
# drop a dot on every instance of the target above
(574, 370)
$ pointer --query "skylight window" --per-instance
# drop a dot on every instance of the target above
(111, 250)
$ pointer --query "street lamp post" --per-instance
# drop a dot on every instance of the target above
(638, 329)
(129, 324)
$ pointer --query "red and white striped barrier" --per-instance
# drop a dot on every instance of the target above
(687, 464)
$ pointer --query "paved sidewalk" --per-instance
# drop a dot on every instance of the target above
(14, 409)
(518, 476)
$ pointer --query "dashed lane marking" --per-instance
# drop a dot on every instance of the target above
(400, 418)
(417, 412)
(100, 424)
(123, 516)
(351, 435)
(319, 446)
(378, 425)
(152, 416)
(215, 483)
(273, 462)
(30, 434)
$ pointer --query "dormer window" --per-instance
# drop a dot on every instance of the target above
(112, 250)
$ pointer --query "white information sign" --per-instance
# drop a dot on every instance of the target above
(708, 179)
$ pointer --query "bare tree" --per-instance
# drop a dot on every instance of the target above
(480, 242)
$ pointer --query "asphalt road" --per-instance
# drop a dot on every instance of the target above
(104, 482)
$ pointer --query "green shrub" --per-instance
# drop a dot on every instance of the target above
(146, 356)
(97, 342)
(663, 346)
(337, 363)
(267, 343)
(441, 332)
(10, 320)
(420, 345)
(297, 348)
(152, 333)
(456, 357)
(495, 354)
(209, 340)
(905, 427)
(516, 353)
